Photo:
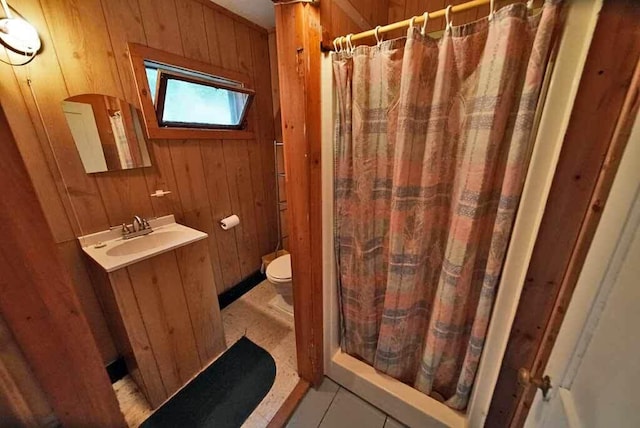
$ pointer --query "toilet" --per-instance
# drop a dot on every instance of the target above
(279, 274)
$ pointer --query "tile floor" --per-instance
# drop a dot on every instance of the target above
(331, 406)
(271, 329)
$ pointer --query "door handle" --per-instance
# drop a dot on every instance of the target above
(542, 383)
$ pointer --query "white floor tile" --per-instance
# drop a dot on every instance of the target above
(314, 405)
(351, 411)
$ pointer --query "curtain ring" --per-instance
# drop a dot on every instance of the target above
(424, 24)
(335, 44)
(340, 42)
(412, 22)
(349, 44)
(377, 33)
(492, 9)
(446, 15)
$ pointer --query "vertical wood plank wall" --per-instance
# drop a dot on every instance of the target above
(404, 9)
(84, 51)
(22, 401)
(341, 17)
(167, 317)
(41, 309)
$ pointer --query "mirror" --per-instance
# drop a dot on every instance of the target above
(107, 133)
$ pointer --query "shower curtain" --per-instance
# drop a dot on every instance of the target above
(432, 143)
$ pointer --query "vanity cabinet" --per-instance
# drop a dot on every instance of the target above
(164, 314)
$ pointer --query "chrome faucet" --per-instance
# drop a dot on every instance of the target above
(139, 227)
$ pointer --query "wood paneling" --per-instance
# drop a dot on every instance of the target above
(603, 112)
(75, 261)
(192, 30)
(85, 50)
(202, 302)
(404, 9)
(22, 401)
(40, 306)
(132, 338)
(170, 320)
(341, 17)
(266, 130)
(164, 311)
(298, 38)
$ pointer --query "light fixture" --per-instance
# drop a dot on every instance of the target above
(17, 34)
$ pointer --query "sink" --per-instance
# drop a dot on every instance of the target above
(110, 251)
(143, 243)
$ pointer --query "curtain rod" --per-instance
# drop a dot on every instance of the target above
(417, 20)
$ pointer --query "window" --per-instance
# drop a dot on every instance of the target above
(182, 98)
(187, 99)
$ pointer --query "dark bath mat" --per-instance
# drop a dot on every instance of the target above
(224, 394)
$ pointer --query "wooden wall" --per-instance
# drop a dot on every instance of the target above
(341, 17)
(405, 9)
(22, 401)
(42, 311)
(277, 117)
(166, 318)
(84, 51)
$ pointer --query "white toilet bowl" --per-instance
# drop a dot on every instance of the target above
(279, 274)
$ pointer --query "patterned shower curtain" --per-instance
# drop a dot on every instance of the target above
(432, 144)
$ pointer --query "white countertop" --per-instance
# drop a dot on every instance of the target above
(112, 252)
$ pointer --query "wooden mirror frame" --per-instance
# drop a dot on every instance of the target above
(138, 54)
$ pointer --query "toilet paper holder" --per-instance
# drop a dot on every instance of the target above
(229, 222)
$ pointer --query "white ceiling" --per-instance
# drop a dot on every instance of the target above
(257, 11)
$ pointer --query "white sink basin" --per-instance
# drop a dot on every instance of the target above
(153, 240)
(112, 252)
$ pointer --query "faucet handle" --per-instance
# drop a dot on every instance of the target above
(137, 223)
(125, 229)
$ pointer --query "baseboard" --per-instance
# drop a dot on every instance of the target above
(117, 370)
(238, 290)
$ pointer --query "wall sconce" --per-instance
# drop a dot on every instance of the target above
(17, 34)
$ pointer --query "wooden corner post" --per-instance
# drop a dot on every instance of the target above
(41, 308)
(298, 35)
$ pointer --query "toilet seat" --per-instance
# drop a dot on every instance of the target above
(279, 270)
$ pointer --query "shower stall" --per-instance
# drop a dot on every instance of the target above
(399, 399)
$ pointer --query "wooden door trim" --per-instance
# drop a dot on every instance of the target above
(298, 40)
(290, 405)
(583, 243)
(604, 111)
(40, 305)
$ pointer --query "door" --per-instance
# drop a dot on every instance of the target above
(594, 366)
